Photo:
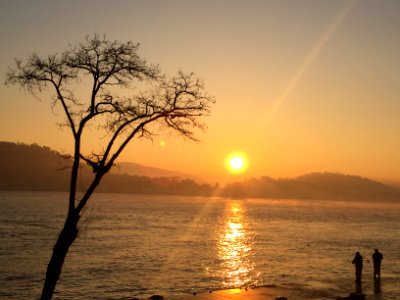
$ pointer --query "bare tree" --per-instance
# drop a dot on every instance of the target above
(108, 68)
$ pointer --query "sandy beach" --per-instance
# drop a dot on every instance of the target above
(264, 293)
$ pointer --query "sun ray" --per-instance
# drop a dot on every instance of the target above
(321, 43)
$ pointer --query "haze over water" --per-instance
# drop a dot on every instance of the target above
(132, 245)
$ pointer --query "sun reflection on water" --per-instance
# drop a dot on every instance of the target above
(235, 248)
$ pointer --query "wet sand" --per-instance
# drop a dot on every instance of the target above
(263, 293)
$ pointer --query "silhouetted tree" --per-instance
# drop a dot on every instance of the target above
(108, 69)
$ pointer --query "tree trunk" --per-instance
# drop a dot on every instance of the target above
(67, 236)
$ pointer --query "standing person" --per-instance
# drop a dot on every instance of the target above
(358, 262)
(377, 258)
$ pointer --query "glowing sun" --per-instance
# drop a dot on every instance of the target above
(236, 162)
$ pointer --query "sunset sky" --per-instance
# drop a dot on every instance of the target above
(301, 86)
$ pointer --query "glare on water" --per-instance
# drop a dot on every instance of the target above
(235, 247)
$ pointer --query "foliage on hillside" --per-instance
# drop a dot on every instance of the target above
(328, 186)
(32, 167)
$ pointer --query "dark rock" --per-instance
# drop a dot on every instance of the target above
(353, 296)
(156, 297)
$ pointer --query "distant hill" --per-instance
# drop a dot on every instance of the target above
(140, 170)
(331, 186)
(32, 167)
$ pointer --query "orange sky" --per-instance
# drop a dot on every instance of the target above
(301, 86)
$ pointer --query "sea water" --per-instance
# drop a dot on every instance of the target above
(139, 245)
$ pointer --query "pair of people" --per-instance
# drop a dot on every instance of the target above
(358, 262)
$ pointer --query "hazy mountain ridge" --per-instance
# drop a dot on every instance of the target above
(314, 186)
(32, 167)
(136, 169)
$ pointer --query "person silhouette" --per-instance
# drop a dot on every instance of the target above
(358, 262)
(377, 259)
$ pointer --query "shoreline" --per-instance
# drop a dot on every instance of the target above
(254, 293)
(259, 293)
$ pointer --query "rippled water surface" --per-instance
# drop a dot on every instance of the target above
(134, 245)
